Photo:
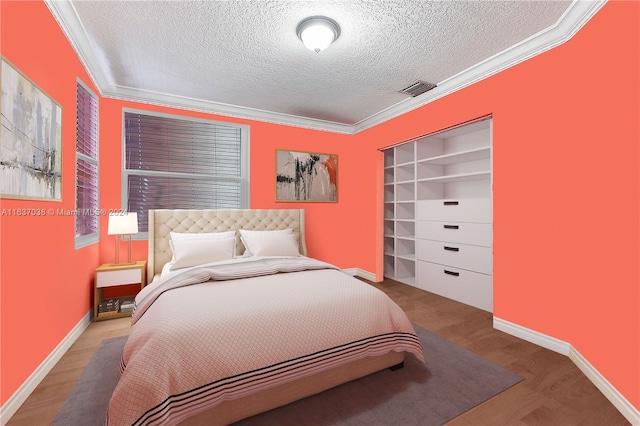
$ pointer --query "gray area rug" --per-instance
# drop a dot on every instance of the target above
(87, 403)
(453, 381)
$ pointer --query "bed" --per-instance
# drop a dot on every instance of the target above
(227, 337)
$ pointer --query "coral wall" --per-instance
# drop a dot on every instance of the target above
(325, 221)
(566, 162)
(47, 286)
(46, 283)
(566, 194)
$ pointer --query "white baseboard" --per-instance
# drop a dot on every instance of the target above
(20, 396)
(357, 272)
(532, 336)
(631, 413)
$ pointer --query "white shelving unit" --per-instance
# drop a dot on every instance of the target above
(437, 204)
(399, 213)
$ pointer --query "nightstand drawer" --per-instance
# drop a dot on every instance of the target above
(118, 277)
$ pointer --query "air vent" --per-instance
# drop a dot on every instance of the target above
(417, 88)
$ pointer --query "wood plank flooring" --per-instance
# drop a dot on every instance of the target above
(554, 392)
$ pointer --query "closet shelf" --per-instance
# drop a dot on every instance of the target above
(458, 177)
(458, 157)
(406, 256)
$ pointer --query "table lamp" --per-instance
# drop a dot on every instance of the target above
(122, 225)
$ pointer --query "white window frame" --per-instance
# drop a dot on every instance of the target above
(245, 164)
(87, 240)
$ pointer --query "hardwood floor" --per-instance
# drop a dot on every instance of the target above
(554, 392)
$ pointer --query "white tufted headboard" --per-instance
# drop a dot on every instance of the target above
(161, 222)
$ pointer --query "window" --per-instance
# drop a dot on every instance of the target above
(173, 162)
(86, 212)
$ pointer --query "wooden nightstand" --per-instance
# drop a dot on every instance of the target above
(110, 275)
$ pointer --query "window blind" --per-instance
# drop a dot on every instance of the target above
(86, 216)
(179, 163)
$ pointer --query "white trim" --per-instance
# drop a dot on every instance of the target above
(631, 413)
(227, 110)
(574, 18)
(66, 16)
(357, 272)
(532, 336)
(20, 396)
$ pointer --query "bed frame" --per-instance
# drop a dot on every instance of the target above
(161, 222)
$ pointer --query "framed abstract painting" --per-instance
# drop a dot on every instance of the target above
(306, 176)
(31, 143)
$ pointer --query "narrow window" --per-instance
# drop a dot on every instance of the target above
(86, 213)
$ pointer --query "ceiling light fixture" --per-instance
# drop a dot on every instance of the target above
(318, 32)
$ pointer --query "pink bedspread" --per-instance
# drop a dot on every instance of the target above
(206, 334)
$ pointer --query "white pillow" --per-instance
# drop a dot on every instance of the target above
(167, 267)
(244, 232)
(200, 251)
(279, 244)
(181, 236)
(185, 236)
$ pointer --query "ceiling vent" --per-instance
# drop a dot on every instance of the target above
(417, 88)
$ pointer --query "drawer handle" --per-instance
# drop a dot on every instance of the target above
(451, 248)
(455, 274)
(450, 203)
(451, 227)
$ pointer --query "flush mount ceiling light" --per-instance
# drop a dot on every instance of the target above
(318, 32)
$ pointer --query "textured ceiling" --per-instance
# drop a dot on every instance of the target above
(245, 57)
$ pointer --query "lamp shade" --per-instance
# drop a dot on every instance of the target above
(318, 32)
(123, 224)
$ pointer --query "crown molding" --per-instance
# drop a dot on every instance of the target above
(65, 14)
(574, 18)
(227, 110)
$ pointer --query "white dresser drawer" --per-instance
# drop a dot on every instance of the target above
(464, 286)
(472, 258)
(460, 210)
(478, 234)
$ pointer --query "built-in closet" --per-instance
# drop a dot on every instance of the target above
(438, 232)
